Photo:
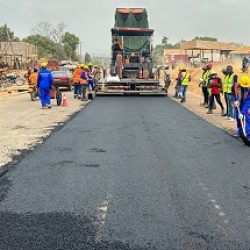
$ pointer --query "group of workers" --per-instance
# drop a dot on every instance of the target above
(236, 92)
(83, 79)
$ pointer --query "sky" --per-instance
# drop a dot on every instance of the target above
(92, 20)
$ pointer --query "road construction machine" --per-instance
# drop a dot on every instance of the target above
(131, 69)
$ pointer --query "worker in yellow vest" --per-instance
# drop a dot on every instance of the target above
(204, 82)
(231, 81)
(185, 79)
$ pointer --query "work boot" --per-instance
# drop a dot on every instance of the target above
(209, 112)
(183, 100)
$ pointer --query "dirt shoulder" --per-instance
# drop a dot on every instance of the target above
(24, 124)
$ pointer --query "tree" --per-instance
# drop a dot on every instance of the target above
(70, 42)
(206, 38)
(164, 40)
(46, 48)
(54, 33)
(87, 58)
(4, 30)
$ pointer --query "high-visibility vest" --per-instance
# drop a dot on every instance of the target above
(77, 75)
(185, 78)
(230, 83)
(224, 84)
(33, 78)
(205, 77)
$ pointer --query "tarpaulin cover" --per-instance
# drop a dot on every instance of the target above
(133, 18)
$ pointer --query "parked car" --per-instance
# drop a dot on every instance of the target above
(62, 79)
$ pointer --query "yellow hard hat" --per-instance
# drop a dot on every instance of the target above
(181, 67)
(90, 64)
(44, 64)
(244, 81)
(83, 66)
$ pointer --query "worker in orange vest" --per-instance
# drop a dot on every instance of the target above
(33, 77)
(76, 81)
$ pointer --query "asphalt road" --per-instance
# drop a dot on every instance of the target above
(129, 173)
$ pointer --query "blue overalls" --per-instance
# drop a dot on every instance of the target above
(44, 83)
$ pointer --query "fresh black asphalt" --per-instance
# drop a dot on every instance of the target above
(129, 173)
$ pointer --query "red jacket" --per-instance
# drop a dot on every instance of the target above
(215, 85)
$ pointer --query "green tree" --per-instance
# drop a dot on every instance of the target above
(87, 58)
(46, 48)
(70, 42)
(164, 41)
(4, 30)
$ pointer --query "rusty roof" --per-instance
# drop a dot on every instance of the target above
(208, 45)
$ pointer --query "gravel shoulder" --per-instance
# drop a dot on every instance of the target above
(24, 124)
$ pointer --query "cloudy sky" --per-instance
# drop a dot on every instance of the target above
(91, 20)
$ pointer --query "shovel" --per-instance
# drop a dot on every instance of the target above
(243, 125)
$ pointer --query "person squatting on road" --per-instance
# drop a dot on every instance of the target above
(44, 83)
(203, 83)
(214, 85)
(241, 101)
(185, 79)
(84, 82)
(76, 81)
(230, 83)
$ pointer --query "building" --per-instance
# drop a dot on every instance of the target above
(203, 51)
(238, 55)
(18, 54)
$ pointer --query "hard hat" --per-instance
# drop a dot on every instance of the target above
(90, 64)
(82, 66)
(244, 81)
(44, 64)
(181, 67)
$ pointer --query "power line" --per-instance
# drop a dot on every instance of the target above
(17, 13)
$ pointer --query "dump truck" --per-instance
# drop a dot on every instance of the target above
(131, 69)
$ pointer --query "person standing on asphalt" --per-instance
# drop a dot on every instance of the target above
(44, 83)
(84, 82)
(203, 83)
(178, 83)
(185, 79)
(76, 81)
(232, 79)
(214, 85)
(167, 80)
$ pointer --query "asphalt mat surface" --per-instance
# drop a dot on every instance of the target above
(129, 173)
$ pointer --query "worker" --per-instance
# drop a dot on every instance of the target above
(90, 76)
(167, 79)
(33, 77)
(185, 79)
(245, 64)
(214, 85)
(44, 83)
(116, 48)
(84, 81)
(232, 79)
(178, 83)
(76, 81)
(203, 83)
(225, 94)
(241, 101)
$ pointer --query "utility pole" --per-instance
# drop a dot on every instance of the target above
(80, 51)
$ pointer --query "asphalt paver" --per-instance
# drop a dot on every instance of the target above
(129, 173)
